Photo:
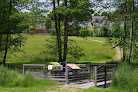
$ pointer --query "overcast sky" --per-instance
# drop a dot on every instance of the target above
(96, 9)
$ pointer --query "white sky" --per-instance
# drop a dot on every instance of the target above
(96, 9)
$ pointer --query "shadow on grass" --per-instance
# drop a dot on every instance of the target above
(35, 60)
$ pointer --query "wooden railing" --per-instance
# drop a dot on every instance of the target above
(35, 67)
(103, 74)
(78, 75)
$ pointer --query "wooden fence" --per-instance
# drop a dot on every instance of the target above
(35, 67)
(78, 75)
(71, 75)
(103, 74)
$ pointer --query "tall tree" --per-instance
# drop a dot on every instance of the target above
(7, 31)
(73, 12)
(65, 33)
(131, 32)
(57, 27)
(124, 38)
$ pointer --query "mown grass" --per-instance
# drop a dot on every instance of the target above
(13, 81)
(94, 51)
(35, 44)
(97, 38)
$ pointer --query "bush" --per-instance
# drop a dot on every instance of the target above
(126, 78)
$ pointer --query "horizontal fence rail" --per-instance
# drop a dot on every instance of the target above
(34, 67)
(103, 74)
(78, 75)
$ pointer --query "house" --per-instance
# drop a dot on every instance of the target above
(39, 24)
(102, 20)
(39, 27)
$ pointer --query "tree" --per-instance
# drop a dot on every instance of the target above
(73, 11)
(95, 30)
(48, 23)
(104, 14)
(125, 12)
(84, 32)
(105, 32)
(13, 22)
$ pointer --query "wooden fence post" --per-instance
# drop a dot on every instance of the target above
(23, 70)
(44, 69)
(95, 75)
(89, 70)
(67, 74)
(105, 77)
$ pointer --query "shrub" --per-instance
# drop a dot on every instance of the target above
(126, 78)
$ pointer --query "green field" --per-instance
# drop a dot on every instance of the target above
(94, 51)
(35, 44)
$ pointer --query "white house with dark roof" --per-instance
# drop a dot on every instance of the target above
(100, 21)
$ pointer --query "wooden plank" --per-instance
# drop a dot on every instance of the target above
(100, 71)
(34, 64)
(108, 77)
(67, 75)
(78, 79)
(77, 76)
(84, 69)
(23, 70)
(86, 77)
(81, 65)
(95, 76)
(89, 71)
(104, 75)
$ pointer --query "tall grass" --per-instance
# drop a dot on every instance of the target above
(12, 79)
(126, 78)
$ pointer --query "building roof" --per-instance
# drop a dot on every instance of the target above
(99, 18)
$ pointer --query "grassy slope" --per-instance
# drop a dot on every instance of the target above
(98, 38)
(94, 51)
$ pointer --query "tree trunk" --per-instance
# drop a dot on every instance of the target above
(124, 38)
(131, 34)
(1, 31)
(59, 38)
(7, 35)
(65, 34)
(57, 33)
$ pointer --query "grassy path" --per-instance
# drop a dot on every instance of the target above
(119, 52)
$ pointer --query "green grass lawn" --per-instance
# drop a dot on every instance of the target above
(35, 44)
(41, 87)
(97, 38)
